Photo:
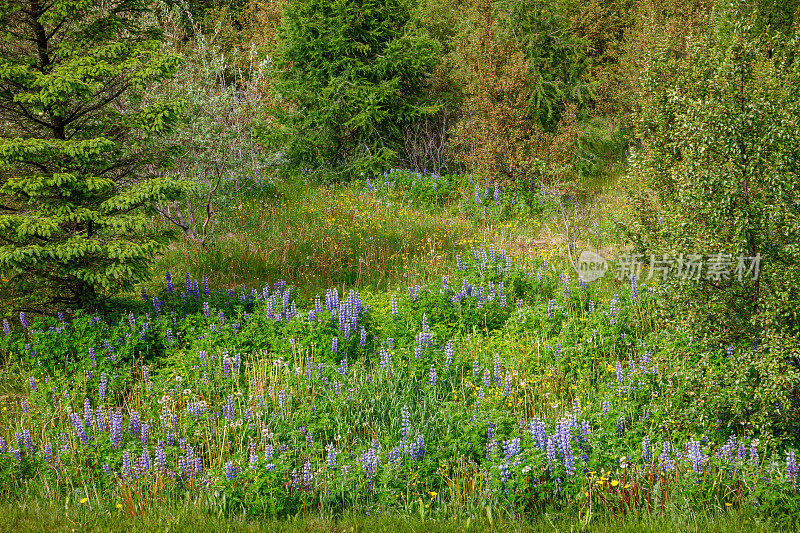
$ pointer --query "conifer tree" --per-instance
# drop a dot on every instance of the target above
(77, 166)
(351, 76)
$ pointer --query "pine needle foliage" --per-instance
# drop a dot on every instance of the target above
(77, 164)
(351, 76)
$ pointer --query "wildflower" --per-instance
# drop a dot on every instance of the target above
(791, 467)
(231, 470)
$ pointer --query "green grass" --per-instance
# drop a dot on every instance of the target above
(45, 516)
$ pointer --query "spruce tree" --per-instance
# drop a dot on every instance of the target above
(77, 165)
(351, 75)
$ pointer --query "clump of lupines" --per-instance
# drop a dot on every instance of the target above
(564, 453)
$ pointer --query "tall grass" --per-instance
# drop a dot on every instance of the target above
(320, 237)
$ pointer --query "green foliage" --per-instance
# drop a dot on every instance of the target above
(556, 60)
(74, 148)
(717, 172)
(351, 75)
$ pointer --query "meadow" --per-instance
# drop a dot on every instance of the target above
(411, 352)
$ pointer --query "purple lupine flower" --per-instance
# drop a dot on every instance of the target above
(448, 352)
(334, 344)
(591, 307)
(206, 310)
(170, 288)
(268, 452)
(26, 439)
(307, 476)
(3, 445)
(145, 437)
(507, 387)
(613, 308)
(100, 418)
(282, 398)
(406, 423)
(505, 474)
(539, 434)
(791, 467)
(126, 463)
(6, 327)
(696, 456)
(647, 454)
(363, 341)
(206, 290)
(394, 456)
(228, 409)
(498, 372)
(550, 304)
(331, 457)
(136, 427)
(754, 452)
(432, 376)
(606, 407)
(170, 340)
(32, 382)
(386, 359)
(101, 390)
(161, 457)
(253, 456)
(487, 380)
(231, 470)
(620, 425)
(77, 424)
(369, 461)
(24, 320)
(144, 462)
(550, 452)
(564, 435)
(48, 453)
(116, 428)
(87, 412)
